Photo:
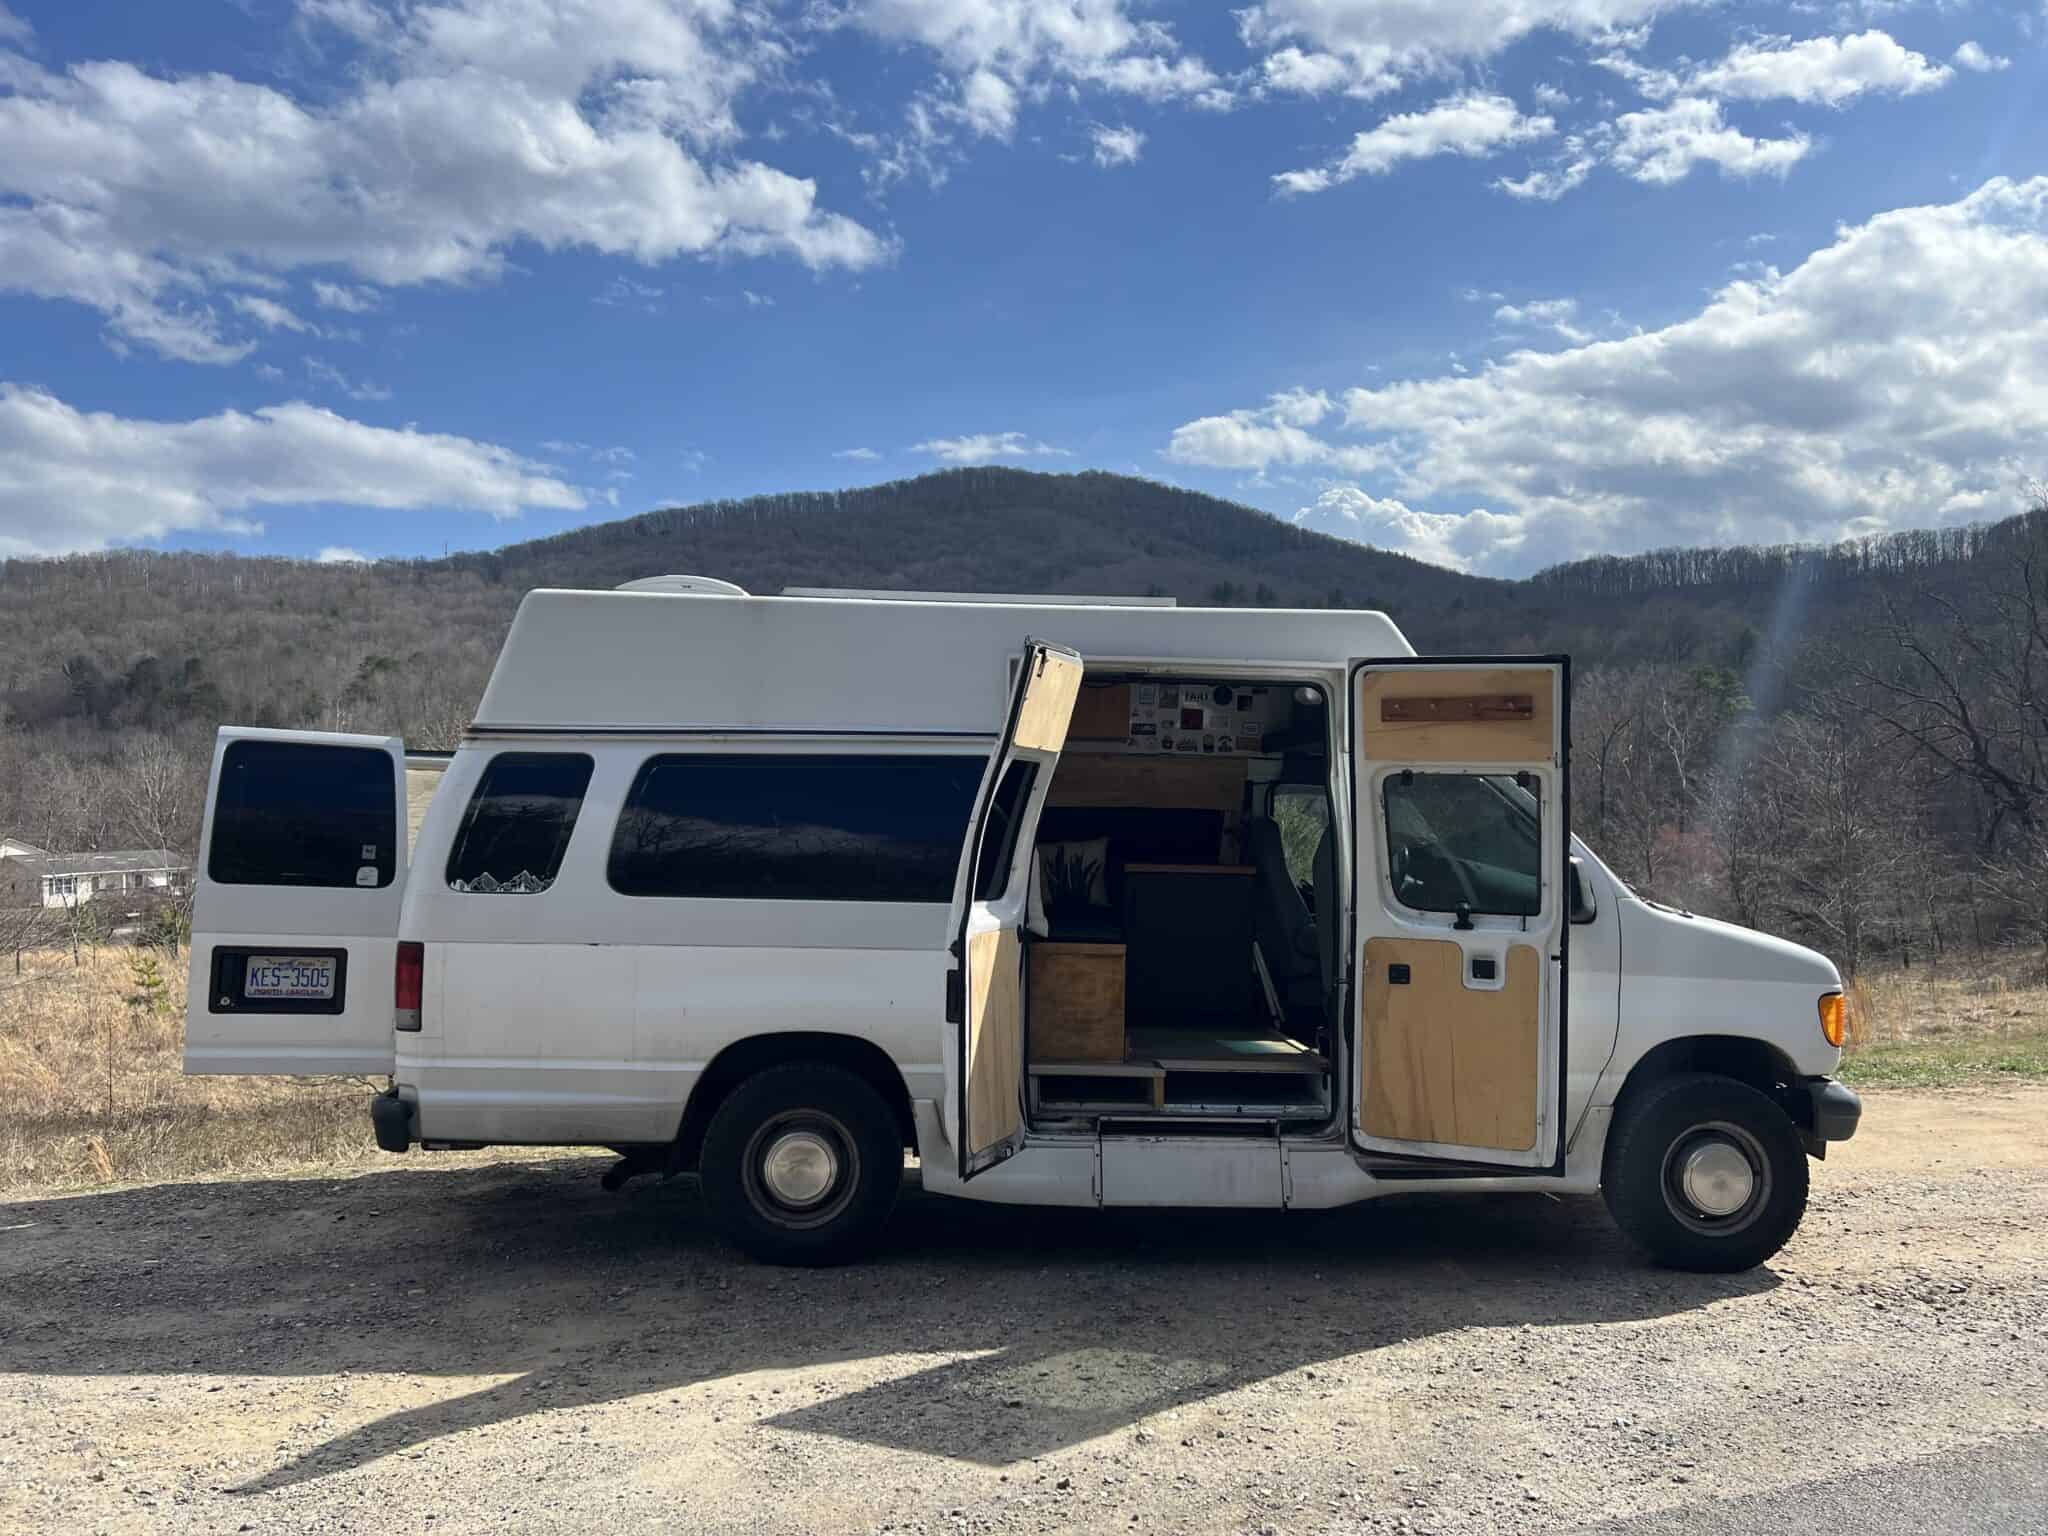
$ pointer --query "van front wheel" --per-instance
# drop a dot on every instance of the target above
(1705, 1173)
(801, 1165)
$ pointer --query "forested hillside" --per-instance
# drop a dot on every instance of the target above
(1719, 689)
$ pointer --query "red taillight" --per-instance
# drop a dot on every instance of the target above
(412, 964)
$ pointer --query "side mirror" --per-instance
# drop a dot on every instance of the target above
(1584, 908)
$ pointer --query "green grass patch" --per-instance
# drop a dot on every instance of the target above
(1947, 1063)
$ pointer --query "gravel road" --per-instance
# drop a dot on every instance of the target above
(494, 1344)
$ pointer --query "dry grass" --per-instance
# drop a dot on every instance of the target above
(1973, 1018)
(94, 1093)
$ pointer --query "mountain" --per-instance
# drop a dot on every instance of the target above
(94, 646)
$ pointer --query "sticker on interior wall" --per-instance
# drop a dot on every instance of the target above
(1244, 701)
(1249, 734)
(1165, 743)
(1196, 696)
(1208, 743)
(1190, 744)
(1224, 744)
(366, 874)
(1148, 694)
(1144, 728)
(1192, 719)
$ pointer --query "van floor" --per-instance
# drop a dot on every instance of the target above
(1249, 1073)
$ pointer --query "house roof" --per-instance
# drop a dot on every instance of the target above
(15, 848)
(130, 861)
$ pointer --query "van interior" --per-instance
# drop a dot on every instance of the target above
(1179, 957)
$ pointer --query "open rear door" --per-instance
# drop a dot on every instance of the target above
(985, 1001)
(1460, 816)
(302, 864)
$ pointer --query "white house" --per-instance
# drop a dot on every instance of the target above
(30, 874)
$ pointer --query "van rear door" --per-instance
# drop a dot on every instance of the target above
(301, 868)
(985, 998)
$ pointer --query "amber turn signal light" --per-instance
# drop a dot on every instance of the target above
(1834, 1019)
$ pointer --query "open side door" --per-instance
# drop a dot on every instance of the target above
(302, 863)
(1461, 827)
(985, 998)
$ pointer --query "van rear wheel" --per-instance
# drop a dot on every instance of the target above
(1705, 1173)
(801, 1165)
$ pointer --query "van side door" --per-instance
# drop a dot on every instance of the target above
(1460, 819)
(985, 999)
(302, 865)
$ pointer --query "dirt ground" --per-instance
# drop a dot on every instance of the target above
(494, 1344)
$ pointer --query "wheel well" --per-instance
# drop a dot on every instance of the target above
(1755, 1062)
(743, 1058)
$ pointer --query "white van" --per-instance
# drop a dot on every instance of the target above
(1091, 902)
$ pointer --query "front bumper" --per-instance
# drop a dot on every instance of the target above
(1836, 1113)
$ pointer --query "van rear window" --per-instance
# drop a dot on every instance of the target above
(781, 827)
(518, 823)
(300, 813)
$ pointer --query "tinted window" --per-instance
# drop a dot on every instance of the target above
(293, 813)
(518, 823)
(999, 837)
(795, 828)
(1463, 838)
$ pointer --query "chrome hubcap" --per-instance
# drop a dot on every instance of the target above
(800, 1168)
(1716, 1178)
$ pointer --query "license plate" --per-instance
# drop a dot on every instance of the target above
(289, 976)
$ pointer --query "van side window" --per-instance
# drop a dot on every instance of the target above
(518, 823)
(1464, 838)
(298, 813)
(791, 827)
(999, 836)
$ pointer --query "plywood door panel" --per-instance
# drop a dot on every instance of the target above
(995, 1038)
(1528, 740)
(1049, 705)
(1444, 1062)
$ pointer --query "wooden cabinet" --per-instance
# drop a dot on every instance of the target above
(1077, 1002)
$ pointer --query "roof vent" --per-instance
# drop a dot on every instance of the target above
(701, 586)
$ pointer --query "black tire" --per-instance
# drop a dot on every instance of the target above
(1655, 1133)
(834, 1109)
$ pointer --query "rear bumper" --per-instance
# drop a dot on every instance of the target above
(392, 1119)
(1836, 1109)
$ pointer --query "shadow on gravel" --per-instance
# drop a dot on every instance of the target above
(1017, 1330)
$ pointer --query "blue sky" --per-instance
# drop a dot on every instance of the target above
(1498, 282)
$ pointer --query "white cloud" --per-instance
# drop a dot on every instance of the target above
(347, 299)
(1826, 70)
(1472, 125)
(1896, 377)
(983, 447)
(1277, 432)
(1557, 315)
(598, 124)
(1551, 96)
(12, 28)
(356, 389)
(1971, 55)
(1456, 540)
(862, 455)
(1663, 144)
(1547, 185)
(268, 313)
(341, 554)
(1116, 146)
(77, 480)
(1371, 46)
(994, 55)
